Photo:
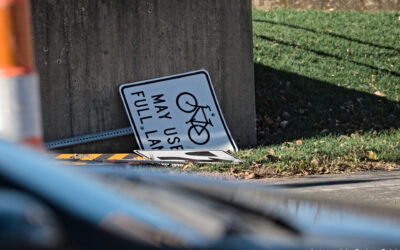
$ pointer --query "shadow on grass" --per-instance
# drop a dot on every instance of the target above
(325, 54)
(351, 39)
(312, 107)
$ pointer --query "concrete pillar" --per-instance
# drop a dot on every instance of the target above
(86, 48)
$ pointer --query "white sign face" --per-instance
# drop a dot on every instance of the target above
(196, 156)
(176, 113)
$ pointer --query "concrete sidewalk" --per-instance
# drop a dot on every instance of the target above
(379, 188)
(376, 188)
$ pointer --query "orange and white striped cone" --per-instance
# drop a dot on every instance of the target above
(20, 111)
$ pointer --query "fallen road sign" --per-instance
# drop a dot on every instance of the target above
(152, 157)
(177, 112)
(184, 156)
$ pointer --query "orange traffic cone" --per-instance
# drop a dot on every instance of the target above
(20, 111)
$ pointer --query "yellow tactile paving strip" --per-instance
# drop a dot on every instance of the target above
(118, 157)
(65, 156)
(96, 157)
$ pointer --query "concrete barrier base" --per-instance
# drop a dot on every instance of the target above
(86, 49)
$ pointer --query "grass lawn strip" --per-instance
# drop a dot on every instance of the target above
(327, 94)
(323, 155)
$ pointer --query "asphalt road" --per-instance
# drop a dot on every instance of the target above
(379, 188)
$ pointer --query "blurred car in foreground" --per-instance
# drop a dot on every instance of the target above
(44, 205)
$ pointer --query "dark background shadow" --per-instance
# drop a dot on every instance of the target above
(312, 107)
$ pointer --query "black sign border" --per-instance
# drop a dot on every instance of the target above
(168, 78)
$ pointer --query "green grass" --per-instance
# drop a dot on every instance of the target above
(332, 47)
(327, 92)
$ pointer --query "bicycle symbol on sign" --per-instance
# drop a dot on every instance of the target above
(199, 121)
